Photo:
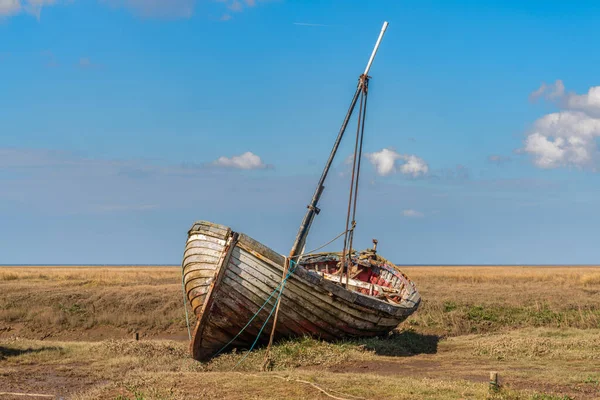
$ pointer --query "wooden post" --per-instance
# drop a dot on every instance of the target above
(494, 381)
(286, 264)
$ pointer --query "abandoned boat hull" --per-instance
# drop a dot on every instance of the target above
(228, 276)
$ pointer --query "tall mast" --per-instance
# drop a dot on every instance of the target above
(312, 207)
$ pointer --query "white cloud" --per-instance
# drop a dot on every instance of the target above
(498, 159)
(10, 7)
(248, 160)
(412, 213)
(386, 162)
(87, 63)
(566, 138)
(414, 166)
(156, 8)
(34, 7)
(549, 92)
(13, 7)
(308, 24)
(588, 103)
(124, 207)
(143, 8)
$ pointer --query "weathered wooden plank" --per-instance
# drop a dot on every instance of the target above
(197, 303)
(204, 245)
(201, 273)
(311, 293)
(188, 269)
(320, 317)
(210, 228)
(197, 284)
(367, 304)
(195, 251)
(201, 237)
(295, 293)
(200, 279)
(201, 259)
(236, 306)
(256, 297)
(199, 266)
(260, 248)
(198, 291)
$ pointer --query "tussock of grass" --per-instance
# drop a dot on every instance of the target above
(525, 395)
(454, 318)
(143, 348)
(104, 276)
(8, 276)
(287, 354)
(531, 344)
(59, 300)
(465, 300)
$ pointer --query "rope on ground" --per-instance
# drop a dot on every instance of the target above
(187, 317)
(27, 394)
(316, 386)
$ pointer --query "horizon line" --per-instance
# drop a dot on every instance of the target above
(398, 265)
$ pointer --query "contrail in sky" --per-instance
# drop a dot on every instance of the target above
(308, 24)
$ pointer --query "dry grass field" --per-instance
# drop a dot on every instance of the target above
(67, 332)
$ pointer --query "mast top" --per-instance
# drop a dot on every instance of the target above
(383, 28)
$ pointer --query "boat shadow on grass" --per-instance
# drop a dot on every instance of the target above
(6, 352)
(402, 344)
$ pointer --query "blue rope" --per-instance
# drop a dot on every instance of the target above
(267, 320)
(281, 285)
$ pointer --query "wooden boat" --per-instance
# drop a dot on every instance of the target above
(234, 283)
(228, 277)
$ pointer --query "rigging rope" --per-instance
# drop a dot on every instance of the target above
(255, 314)
(361, 126)
(360, 129)
(328, 243)
(281, 285)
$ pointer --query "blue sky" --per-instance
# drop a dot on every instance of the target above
(124, 121)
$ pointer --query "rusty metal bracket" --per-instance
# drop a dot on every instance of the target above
(316, 209)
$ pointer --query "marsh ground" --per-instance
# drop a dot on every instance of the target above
(67, 331)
